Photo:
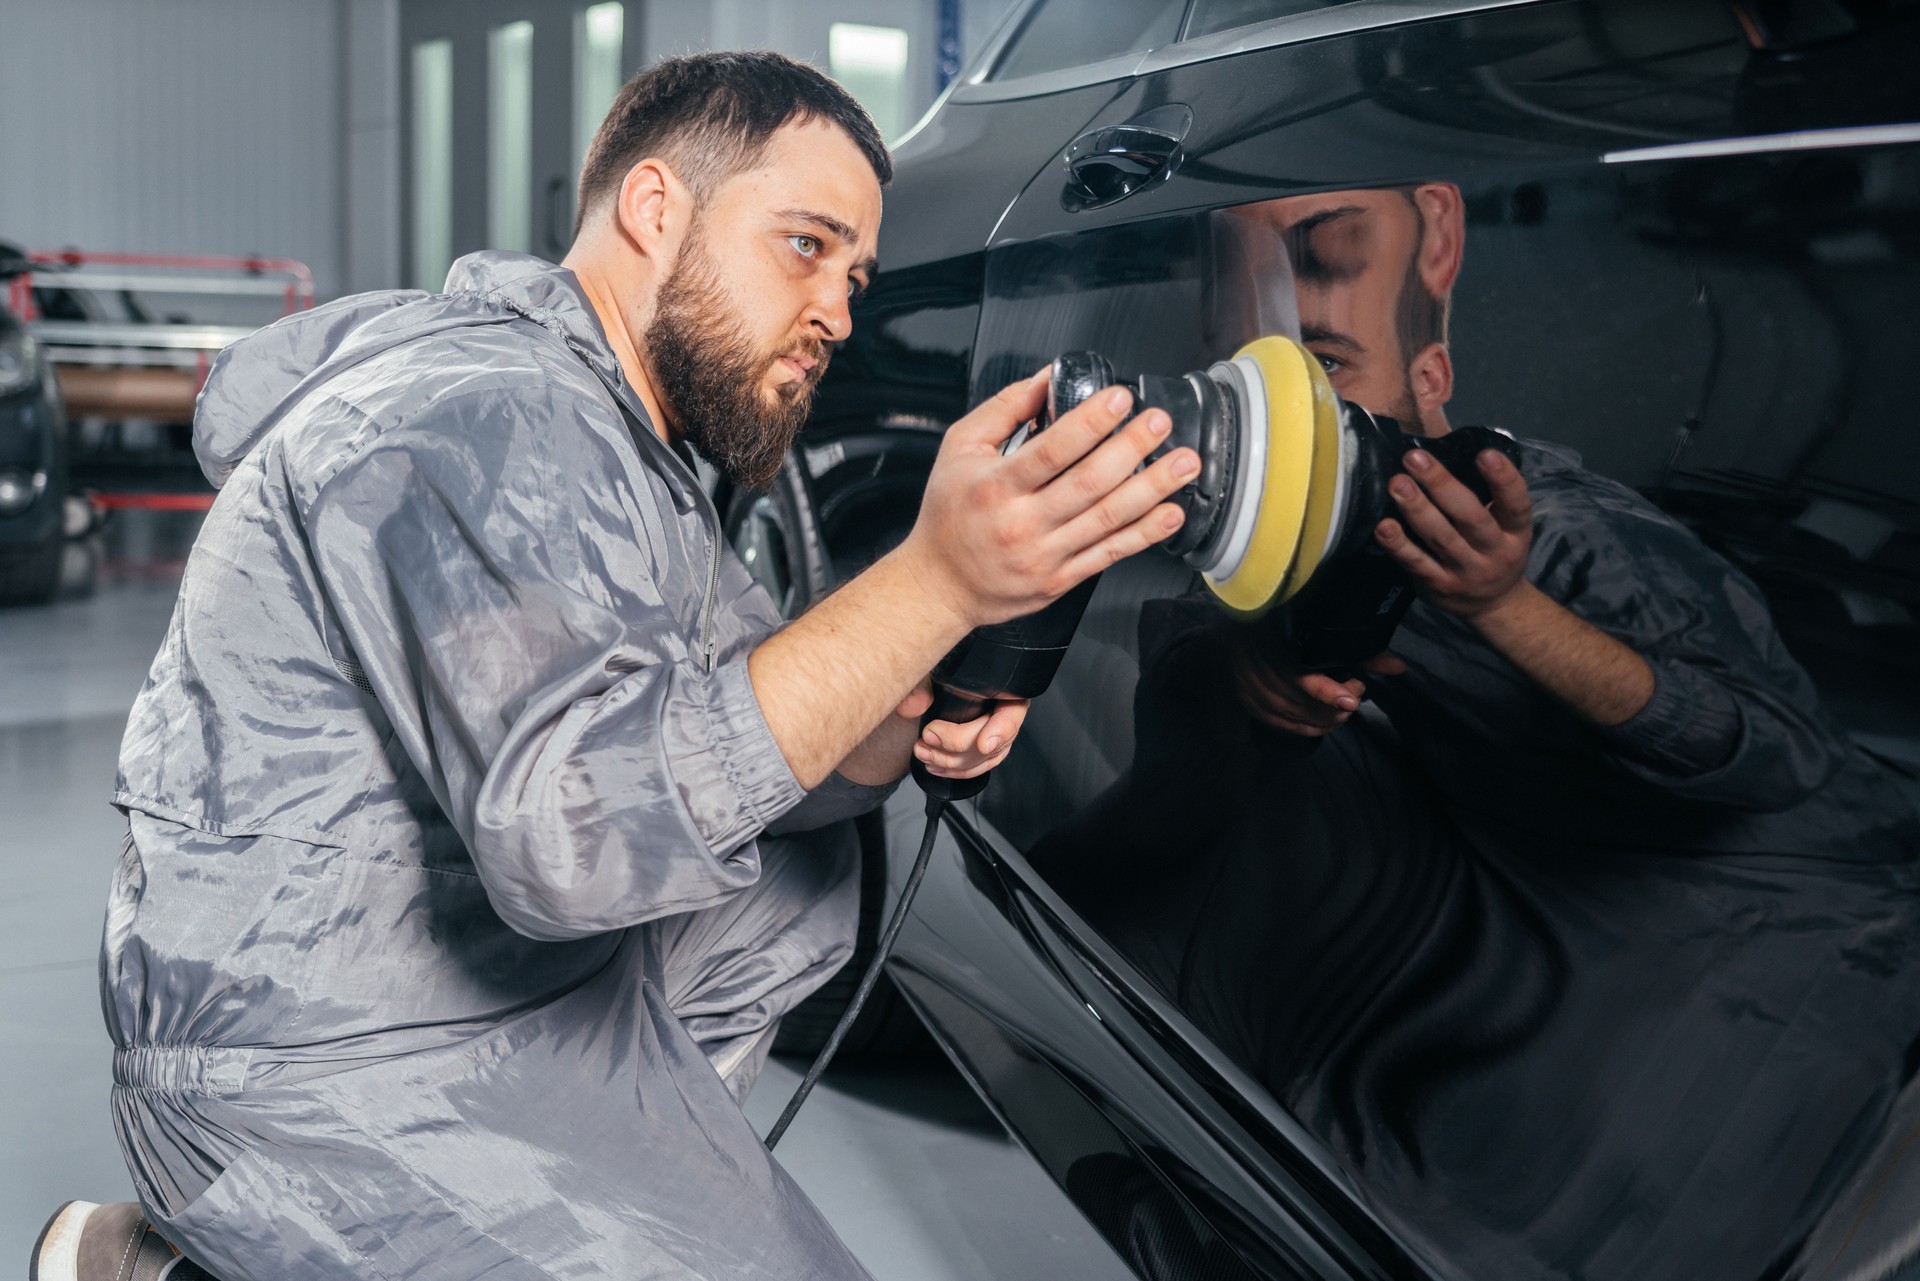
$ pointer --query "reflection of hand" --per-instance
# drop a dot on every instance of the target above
(1470, 557)
(1309, 704)
(952, 750)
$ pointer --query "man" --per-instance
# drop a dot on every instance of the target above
(1369, 275)
(1593, 949)
(482, 824)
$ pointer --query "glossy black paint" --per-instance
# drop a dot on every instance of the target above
(1731, 335)
(33, 437)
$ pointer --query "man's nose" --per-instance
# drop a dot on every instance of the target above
(829, 316)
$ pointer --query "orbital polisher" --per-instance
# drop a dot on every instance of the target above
(1292, 482)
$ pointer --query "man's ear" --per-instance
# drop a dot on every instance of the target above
(653, 209)
(1443, 243)
(1431, 377)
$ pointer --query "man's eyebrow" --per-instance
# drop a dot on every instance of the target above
(1308, 263)
(1330, 337)
(1321, 218)
(834, 227)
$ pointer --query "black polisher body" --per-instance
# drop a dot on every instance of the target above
(1346, 614)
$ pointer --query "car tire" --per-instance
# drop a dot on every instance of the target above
(30, 575)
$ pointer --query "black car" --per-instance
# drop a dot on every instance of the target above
(33, 458)
(1679, 236)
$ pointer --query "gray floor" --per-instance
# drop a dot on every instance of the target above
(916, 1175)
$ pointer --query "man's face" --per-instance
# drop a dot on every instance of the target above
(745, 322)
(1352, 253)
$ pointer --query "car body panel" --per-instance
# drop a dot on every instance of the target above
(1716, 321)
(33, 437)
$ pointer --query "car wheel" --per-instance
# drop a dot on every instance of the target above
(30, 575)
(777, 536)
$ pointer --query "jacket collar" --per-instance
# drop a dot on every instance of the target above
(544, 293)
(551, 296)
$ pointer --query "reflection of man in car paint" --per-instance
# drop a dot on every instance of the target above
(1373, 274)
(1592, 948)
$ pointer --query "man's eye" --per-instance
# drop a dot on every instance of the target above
(1329, 363)
(805, 246)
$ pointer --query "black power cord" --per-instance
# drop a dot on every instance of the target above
(936, 806)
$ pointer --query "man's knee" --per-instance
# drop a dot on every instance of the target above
(817, 875)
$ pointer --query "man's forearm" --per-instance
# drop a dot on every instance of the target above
(1602, 679)
(826, 680)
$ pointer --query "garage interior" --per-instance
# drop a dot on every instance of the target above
(205, 165)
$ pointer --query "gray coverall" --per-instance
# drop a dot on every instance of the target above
(448, 931)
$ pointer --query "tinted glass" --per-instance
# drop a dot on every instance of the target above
(1210, 16)
(1564, 998)
(1073, 33)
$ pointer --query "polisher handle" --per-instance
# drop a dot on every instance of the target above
(951, 705)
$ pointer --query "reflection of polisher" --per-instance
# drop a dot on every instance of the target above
(1292, 482)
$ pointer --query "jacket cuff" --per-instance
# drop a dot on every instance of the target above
(836, 799)
(1691, 725)
(764, 787)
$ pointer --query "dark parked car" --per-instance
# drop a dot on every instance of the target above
(1679, 236)
(33, 459)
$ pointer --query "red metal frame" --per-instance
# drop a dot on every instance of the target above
(299, 295)
(166, 502)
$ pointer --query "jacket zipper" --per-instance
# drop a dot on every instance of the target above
(707, 638)
(713, 589)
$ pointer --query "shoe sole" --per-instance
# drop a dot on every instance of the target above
(56, 1254)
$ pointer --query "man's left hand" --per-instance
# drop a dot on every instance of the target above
(1470, 557)
(966, 750)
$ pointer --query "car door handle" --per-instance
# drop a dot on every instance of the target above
(1114, 161)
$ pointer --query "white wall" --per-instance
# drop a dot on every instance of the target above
(185, 126)
(373, 233)
(274, 126)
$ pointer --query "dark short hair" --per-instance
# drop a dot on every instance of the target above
(710, 115)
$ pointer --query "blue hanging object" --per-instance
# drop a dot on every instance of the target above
(947, 64)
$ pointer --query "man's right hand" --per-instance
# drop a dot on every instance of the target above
(1001, 535)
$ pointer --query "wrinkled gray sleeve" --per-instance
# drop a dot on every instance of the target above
(836, 799)
(598, 775)
(1733, 720)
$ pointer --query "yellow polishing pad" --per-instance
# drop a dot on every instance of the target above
(1324, 490)
(1255, 583)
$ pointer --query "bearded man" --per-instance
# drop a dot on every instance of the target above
(482, 825)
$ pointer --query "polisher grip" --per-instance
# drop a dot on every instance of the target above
(957, 708)
(952, 705)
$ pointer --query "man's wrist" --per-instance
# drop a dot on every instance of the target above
(883, 756)
(1514, 610)
(922, 581)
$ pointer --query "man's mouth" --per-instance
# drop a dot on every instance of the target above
(802, 366)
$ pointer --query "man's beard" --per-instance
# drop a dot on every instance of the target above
(709, 373)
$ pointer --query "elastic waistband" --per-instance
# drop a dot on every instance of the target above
(186, 1069)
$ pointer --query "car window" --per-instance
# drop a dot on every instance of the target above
(1075, 33)
(1507, 965)
(1210, 16)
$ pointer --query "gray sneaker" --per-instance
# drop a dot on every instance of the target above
(88, 1242)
